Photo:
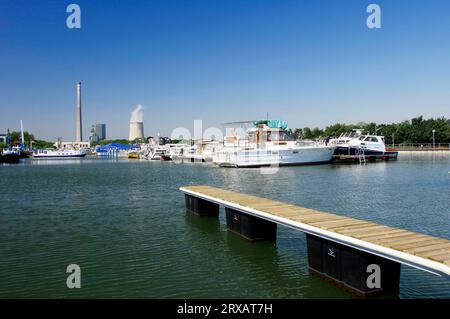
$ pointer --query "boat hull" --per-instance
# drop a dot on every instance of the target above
(58, 156)
(355, 151)
(10, 158)
(284, 157)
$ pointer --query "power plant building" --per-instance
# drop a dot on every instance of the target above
(98, 133)
(100, 130)
(79, 137)
(79, 129)
(136, 130)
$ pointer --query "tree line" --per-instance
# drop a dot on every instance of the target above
(416, 130)
(29, 139)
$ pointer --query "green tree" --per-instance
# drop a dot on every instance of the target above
(307, 133)
(316, 132)
(43, 144)
(105, 142)
(16, 137)
(298, 133)
(417, 130)
(336, 130)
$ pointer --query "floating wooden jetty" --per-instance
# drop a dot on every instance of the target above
(351, 158)
(346, 250)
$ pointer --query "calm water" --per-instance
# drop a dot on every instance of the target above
(125, 224)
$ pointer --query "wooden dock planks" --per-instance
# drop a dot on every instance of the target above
(424, 246)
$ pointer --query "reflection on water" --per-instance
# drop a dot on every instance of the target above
(125, 223)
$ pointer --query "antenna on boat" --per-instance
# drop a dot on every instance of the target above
(239, 122)
(376, 130)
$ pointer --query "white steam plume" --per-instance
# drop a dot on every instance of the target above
(138, 114)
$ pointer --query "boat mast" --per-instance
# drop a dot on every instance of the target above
(22, 143)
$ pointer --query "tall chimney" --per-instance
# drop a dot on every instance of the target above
(79, 123)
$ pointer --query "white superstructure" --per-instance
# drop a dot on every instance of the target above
(267, 145)
(58, 154)
(355, 141)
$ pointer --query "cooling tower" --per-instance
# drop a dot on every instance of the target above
(136, 130)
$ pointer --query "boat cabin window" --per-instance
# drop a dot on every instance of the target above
(275, 136)
(371, 139)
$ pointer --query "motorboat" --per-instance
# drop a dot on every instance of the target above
(202, 151)
(10, 156)
(158, 152)
(133, 155)
(355, 142)
(271, 143)
(174, 152)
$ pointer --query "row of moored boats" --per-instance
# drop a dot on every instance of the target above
(269, 143)
(265, 143)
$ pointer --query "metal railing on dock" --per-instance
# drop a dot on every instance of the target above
(420, 147)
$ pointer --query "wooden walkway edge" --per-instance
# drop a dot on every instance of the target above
(424, 252)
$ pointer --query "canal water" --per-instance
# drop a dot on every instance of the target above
(124, 223)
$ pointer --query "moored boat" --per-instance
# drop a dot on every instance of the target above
(133, 155)
(9, 156)
(58, 154)
(271, 143)
(355, 145)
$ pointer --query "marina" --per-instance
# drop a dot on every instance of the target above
(266, 143)
(225, 157)
(141, 243)
(362, 256)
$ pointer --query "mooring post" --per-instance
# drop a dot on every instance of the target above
(201, 207)
(250, 227)
(363, 273)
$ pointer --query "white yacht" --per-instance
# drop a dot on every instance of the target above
(202, 151)
(158, 152)
(176, 151)
(355, 142)
(58, 154)
(271, 143)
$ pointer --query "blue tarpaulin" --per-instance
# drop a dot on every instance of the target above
(274, 124)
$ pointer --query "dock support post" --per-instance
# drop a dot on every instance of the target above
(250, 227)
(201, 207)
(363, 273)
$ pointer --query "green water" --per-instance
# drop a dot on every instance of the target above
(125, 224)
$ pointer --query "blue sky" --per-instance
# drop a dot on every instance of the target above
(312, 63)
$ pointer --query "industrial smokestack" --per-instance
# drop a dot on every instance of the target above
(79, 123)
(137, 123)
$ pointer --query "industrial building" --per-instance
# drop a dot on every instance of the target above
(98, 133)
(79, 129)
(137, 124)
(100, 130)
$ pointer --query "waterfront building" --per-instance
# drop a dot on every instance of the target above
(93, 137)
(72, 145)
(100, 131)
